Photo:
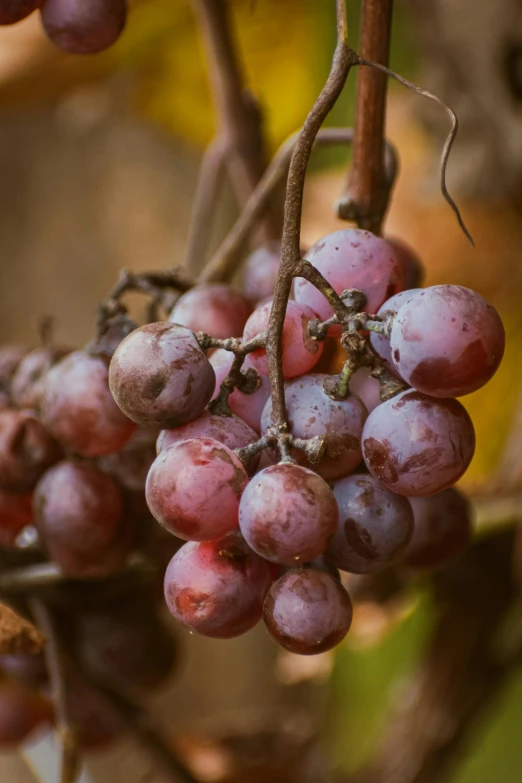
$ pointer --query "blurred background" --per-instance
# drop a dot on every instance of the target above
(98, 165)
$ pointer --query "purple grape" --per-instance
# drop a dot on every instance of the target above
(27, 450)
(129, 467)
(214, 308)
(417, 445)
(16, 511)
(217, 588)
(160, 376)
(21, 711)
(447, 341)
(25, 668)
(80, 27)
(10, 358)
(193, 489)
(312, 412)
(442, 530)
(248, 407)
(413, 272)
(375, 526)
(307, 611)
(260, 271)
(366, 387)
(287, 514)
(229, 430)
(380, 343)
(28, 386)
(12, 11)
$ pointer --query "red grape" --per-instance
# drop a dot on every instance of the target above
(380, 343)
(352, 258)
(307, 611)
(418, 445)
(287, 514)
(79, 409)
(21, 711)
(442, 530)
(80, 27)
(16, 511)
(10, 358)
(260, 271)
(312, 412)
(214, 308)
(413, 272)
(96, 721)
(160, 376)
(217, 588)
(375, 526)
(78, 513)
(447, 341)
(25, 668)
(129, 466)
(12, 11)
(26, 450)
(193, 489)
(28, 384)
(300, 350)
(248, 407)
(366, 387)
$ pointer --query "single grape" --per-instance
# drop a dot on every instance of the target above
(375, 526)
(26, 450)
(352, 258)
(193, 489)
(365, 386)
(93, 716)
(79, 410)
(78, 27)
(28, 386)
(160, 376)
(260, 271)
(25, 668)
(447, 341)
(110, 335)
(413, 272)
(217, 588)
(10, 358)
(214, 308)
(129, 466)
(312, 412)
(248, 407)
(300, 350)
(418, 445)
(287, 514)
(307, 611)
(442, 530)
(78, 513)
(16, 511)
(380, 343)
(229, 430)
(12, 11)
(21, 711)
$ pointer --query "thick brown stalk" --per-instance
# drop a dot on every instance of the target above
(368, 188)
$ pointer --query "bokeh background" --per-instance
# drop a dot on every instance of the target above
(98, 165)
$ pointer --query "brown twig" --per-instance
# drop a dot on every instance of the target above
(368, 188)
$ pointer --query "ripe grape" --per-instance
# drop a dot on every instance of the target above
(79, 410)
(442, 530)
(260, 271)
(28, 384)
(418, 445)
(375, 526)
(80, 27)
(352, 258)
(307, 611)
(248, 407)
(366, 387)
(380, 343)
(129, 466)
(300, 350)
(10, 358)
(215, 308)
(21, 711)
(159, 375)
(26, 450)
(25, 668)
(413, 272)
(16, 511)
(78, 513)
(12, 11)
(287, 514)
(95, 719)
(447, 341)
(312, 412)
(217, 588)
(193, 489)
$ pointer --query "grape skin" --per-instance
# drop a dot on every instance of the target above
(217, 588)
(352, 258)
(300, 351)
(25, 668)
(214, 308)
(78, 513)
(447, 341)
(79, 410)
(418, 445)
(10, 358)
(413, 272)
(248, 407)
(28, 385)
(26, 451)
(160, 376)
(193, 489)
(366, 387)
(375, 526)
(16, 511)
(12, 11)
(21, 711)
(129, 467)
(312, 412)
(380, 343)
(307, 611)
(287, 514)
(260, 271)
(442, 530)
(80, 27)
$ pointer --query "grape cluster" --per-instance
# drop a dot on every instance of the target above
(73, 26)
